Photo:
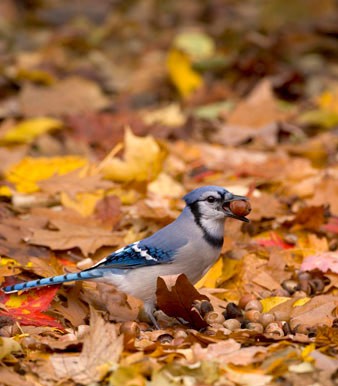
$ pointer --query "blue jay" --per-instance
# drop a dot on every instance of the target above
(191, 245)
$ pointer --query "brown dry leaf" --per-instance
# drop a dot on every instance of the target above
(70, 96)
(326, 192)
(229, 351)
(101, 350)
(316, 311)
(85, 237)
(247, 121)
(310, 218)
(73, 309)
(249, 112)
(176, 295)
(265, 206)
(108, 211)
(9, 377)
(73, 183)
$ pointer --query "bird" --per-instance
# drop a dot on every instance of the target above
(191, 245)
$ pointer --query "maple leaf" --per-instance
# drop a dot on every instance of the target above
(27, 309)
(85, 237)
(326, 261)
(29, 171)
(143, 159)
(178, 300)
(101, 350)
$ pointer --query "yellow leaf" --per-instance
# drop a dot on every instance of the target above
(5, 191)
(328, 100)
(29, 129)
(210, 279)
(7, 346)
(307, 350)
(166, 186)
(83, 203)
(269, 303)
(300, 302)
(28, 171)
(181, 73)
(143, 159)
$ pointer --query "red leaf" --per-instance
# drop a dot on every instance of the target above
(27, 308)
(273, 241)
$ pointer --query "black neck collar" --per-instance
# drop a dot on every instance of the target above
(216, 242)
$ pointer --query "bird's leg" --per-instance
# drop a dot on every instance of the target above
(149, 310)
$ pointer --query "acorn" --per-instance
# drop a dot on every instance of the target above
(245, 299)
(232, 324)
(232, 311)
(130, 329)
(213, 317)
(252, 316)
(165, 338)
(205, 307)
(240, 207)
(255, 327)
(291, 286)
(304, 275)
(274, 328)
(254, 305)
(267, 318)
(317, 284)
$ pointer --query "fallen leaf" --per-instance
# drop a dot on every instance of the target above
(326, 192)
(77, 181)
(7, 346)
(316, 311)
(271, 302)
(181, 73)
(143, 159)
(27, 309)
(29, 171)
(325, 261)
(101, 350)
(248, 113)
(27, 130)
(70, 96)
(85, 237)
(83, 203)
(175, 296)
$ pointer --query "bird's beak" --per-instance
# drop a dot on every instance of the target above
(242, 212)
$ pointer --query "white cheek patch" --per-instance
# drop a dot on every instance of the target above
(143, 253)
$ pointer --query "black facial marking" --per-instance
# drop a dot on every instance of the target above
(216, 242)
(38, 281)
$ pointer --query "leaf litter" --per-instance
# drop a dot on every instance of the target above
(110, 114)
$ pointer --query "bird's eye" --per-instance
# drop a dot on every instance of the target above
(211, 199)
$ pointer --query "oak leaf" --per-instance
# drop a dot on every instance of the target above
(176, 295)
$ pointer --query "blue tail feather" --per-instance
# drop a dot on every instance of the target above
(83, 275)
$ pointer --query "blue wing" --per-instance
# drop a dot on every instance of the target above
(136, 255)
(160, 248)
